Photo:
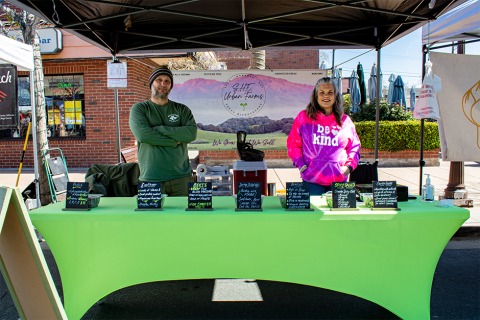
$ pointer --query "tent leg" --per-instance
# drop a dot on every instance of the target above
(377, 114)
(422, 125)
(117, 118)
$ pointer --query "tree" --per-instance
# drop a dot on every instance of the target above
(28, 24)
(257, 59)
(196, 61)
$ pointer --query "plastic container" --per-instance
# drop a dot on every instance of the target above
(222, 185)
(250, 171)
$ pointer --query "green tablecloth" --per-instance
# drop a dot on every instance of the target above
(387, 257)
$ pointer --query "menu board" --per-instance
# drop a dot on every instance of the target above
(298, 196)
(249, 196)
(385, 194)
(149, 196)
(77, 196)
(343, 195)
(199, 196)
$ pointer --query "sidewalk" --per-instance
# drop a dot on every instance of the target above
(408, 176)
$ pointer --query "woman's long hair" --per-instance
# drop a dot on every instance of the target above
(314, 107)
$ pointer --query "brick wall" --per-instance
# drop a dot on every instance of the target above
(279, 158)
(99, 144)
(274, 59)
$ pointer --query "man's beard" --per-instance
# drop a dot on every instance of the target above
(161, 95)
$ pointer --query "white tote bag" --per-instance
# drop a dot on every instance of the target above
(427, 103)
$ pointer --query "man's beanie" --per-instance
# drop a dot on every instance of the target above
(158, 72)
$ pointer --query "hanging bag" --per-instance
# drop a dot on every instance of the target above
(245, 149)
(427, 103)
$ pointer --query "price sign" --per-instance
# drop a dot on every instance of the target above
(298, 196)
(77, 196)
(149, 196)
(249, 196)
(199, 196)
(343, 195)
(384, 194)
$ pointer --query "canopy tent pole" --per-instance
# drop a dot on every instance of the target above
(333, 59)
(422, 124)
(117, 118)
(377, 113)
(34, 136)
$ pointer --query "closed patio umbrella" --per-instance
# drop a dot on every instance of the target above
(398, 95)
(354, 92)
(412, 99)
(337, 78)
(361, 83)
(391, 79)
(372, 83)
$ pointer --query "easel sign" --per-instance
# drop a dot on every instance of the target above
(343, 196)
(199, 196)
(22, 263)
(149, 196)
(77, 196)
(249, 196)
(385, 195)
(298, 196)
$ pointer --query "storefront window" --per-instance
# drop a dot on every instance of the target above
(65, 107)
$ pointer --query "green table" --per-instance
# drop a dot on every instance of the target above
(388, 257)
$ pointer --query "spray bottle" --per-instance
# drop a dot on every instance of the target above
(428, 191)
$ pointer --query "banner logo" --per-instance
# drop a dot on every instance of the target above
(243, 95)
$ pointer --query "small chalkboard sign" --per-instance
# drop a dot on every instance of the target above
(77, 196)
(385, 195)
(249, 196)
(343, 196)
(298, 196)
(199, 196)
(149, 196)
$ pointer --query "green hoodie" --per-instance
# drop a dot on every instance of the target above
(160, 156)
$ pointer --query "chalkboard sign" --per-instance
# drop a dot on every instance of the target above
(298, 196)
(249, 196)
(343, 195)
(77, 196)
(384, 194)
(149, 196)
(199, 196)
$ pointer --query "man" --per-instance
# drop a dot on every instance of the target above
(163, 128)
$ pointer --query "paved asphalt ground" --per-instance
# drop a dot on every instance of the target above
(455, 288)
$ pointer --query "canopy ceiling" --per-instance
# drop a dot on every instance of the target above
(461, 23)
(210, 25)
(16, 53)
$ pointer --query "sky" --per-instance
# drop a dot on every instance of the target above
(402, 57)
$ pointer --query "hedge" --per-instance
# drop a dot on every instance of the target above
(398, 135)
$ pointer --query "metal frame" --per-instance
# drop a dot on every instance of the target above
(51, 184)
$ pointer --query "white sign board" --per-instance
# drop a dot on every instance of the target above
(459, 103)
(51, 39)
(117, 75)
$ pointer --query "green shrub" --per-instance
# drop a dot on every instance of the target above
(387, 113)
(398, 135)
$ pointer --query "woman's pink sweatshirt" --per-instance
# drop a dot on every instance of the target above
(324, 147)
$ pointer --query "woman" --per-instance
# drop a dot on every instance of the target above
(323, 143)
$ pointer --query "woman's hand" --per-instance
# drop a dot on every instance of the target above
(345, 170)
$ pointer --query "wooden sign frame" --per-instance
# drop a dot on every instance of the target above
(22, 262)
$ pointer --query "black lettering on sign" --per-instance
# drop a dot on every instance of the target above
(384, 194)
(77, 195)
(149, 195)
(249, 195)
(199, 195)
(343, 195)
(298, 195)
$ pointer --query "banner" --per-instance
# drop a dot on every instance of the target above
(8, 96)
(459, 103)
(263, 103)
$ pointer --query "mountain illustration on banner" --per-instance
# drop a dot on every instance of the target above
(471, 107)
(243, 95)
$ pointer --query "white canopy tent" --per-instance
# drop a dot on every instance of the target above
(460, 23)
(21, 55)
